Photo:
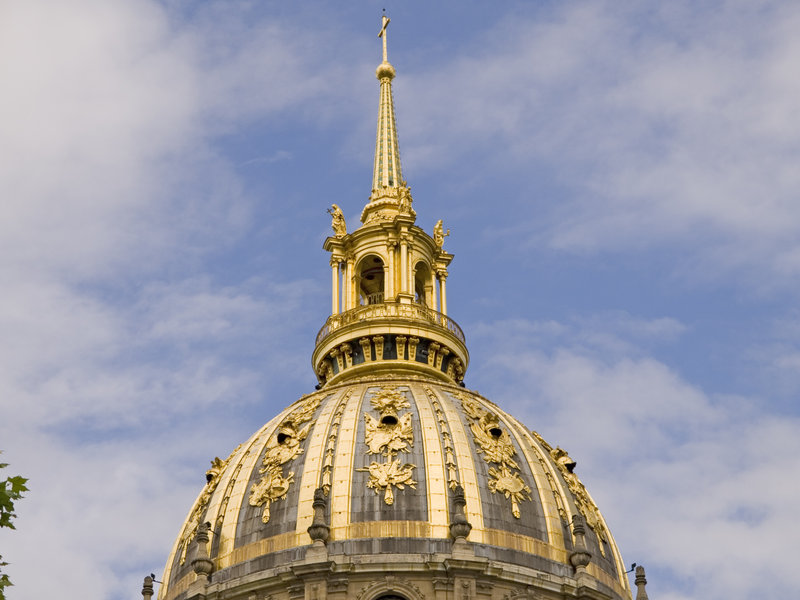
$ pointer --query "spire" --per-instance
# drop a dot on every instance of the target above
(387, 172)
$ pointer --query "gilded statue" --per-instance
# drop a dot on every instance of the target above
(404, 197)
(337, 221)
(439, 234)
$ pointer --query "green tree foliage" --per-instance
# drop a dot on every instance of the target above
(11, 490)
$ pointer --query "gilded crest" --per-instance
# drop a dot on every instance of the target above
(583, 501)
(273, 486)
(283, 446)
(388, 439)
(198, 512)
(509, 483)
(387, 436)
(382, 476)
(495, 445)
(389, 400)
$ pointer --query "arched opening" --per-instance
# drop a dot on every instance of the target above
(390, 597)
(370, 280)
(423, 285)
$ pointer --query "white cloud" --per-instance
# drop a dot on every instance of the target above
(692, 484)
(662, 124)
(113, 364)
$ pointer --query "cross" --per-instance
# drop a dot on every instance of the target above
(382, 34)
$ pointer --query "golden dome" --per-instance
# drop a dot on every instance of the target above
(390, 455)
(393, 480)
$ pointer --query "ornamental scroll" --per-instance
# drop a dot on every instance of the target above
(387, 436)
(566, 465)
(282, 447)
(495, 445)
(198, 511)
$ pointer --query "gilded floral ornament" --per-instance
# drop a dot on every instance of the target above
(495, 445)
(583, 501)
(387, 436)
(389, 399)
(382, 476)
(198, 512)
(447, 439)
(586, 506)
(273, 486)
(388, 440)
(509, 483)
(283, 446)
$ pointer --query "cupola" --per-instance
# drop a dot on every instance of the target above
(388, 286)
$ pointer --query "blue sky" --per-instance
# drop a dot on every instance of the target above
(621, 182)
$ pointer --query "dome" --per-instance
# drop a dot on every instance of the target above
(391, 459)
(392, 480)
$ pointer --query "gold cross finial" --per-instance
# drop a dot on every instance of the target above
(382, 34)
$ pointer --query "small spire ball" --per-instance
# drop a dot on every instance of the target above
(385, 70)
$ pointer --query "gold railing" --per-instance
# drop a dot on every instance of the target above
(390, 310)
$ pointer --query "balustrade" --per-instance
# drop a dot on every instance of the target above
(381, 310)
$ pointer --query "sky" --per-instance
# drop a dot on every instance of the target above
(621, 184)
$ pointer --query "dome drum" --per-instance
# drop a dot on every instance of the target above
(374, 341)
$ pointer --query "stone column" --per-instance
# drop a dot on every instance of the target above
(443, 291)
(404, 265)
(433, 304)
(389, 271)
(443, 352)
(335, 286)
(350, 284)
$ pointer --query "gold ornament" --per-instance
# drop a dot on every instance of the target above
(389, 435)
(382, 476)
(388, 440)
(337, 221)
(196, 517)
(273, 486)
(494, 444)
(583, 501)
(509, 483)
(283, 447)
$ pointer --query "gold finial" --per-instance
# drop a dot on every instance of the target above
(385, 69)
(382, 34)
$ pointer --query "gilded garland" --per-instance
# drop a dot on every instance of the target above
(283, 447)
(387, 436)
(198, 512)
(566, 465)
(495, 445)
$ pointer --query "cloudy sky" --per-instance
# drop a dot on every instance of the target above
(621, 181)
